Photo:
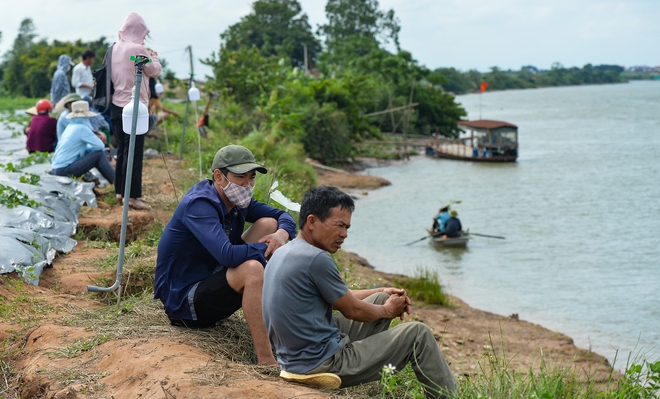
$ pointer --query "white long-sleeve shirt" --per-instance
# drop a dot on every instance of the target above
(82, 75)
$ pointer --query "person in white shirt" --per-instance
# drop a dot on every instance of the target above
(82, 75)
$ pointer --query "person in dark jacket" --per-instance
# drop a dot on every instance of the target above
(453, 226)
(42, 130)
(207, 267)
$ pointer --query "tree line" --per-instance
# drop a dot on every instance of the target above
(528, 77)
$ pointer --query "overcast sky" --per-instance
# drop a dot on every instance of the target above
(464, 34)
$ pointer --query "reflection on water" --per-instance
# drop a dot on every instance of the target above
(579, 210)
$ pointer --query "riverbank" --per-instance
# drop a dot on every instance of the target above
(467, 334)
(63, 342)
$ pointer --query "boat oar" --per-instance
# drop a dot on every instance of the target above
(486, 235)
(421, 239)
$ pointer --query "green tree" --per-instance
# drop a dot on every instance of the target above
(275, 27)
(12, 66)
(455, 81)
(355, 27)
(502, 80)
(437, 111)
(245, 74)
(29, 66)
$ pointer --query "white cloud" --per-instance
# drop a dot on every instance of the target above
(465, 34)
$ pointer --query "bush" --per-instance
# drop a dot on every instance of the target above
(326, 136)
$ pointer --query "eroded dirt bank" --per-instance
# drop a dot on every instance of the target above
(63, 342)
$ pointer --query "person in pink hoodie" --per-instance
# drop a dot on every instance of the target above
(122, 70)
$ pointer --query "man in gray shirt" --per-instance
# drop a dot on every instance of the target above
(302, 286)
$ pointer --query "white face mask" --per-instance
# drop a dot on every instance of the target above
(238, 195)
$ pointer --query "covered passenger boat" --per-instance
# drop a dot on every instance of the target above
(485, 141)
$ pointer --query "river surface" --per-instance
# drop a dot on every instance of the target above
(580, 211)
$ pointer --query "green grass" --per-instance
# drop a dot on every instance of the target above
(22, 308)
(495, 379)
(78, 347)
(424, 286)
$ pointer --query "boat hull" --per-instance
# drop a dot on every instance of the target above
(449, 242)
(452, 242)
(435, 153)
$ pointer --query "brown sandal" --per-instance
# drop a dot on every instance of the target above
(138, 204)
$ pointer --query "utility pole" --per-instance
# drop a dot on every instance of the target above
(407, 125)
(185, 118)
(305, 52)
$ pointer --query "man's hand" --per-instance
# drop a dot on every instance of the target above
(396, 306)
(274, 241)
(399, 292)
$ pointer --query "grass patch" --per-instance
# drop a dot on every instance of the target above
(96, 234)
(22, 308)
(424, 286)
(87, 382)
(79, 347)
(494, 378)
(109, 198)
(152, 237)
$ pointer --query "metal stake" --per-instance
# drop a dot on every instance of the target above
(139, 64)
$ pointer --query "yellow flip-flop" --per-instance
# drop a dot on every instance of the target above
(321, 380)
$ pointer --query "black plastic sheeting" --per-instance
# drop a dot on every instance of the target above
(30, 237)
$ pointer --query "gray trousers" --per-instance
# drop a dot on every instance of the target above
(370, 346)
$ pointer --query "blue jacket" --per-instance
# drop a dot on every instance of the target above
(194, 244)
(442, 219)
(76, 141)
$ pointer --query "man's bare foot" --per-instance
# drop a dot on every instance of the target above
(269, 361)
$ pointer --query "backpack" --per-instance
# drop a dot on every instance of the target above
(103, 88)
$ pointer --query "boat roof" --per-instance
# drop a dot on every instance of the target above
(487, 124)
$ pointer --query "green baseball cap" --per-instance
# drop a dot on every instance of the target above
(236, 159)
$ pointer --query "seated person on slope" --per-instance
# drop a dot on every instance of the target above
(302, 286)
(79, 149)
(41, 131)
(207, 267)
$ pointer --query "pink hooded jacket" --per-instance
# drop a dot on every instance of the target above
(131, 39)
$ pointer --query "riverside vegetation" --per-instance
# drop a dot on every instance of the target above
(137, 315)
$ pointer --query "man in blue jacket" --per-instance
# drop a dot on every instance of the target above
(207, 267)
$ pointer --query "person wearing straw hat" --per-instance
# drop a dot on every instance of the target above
(79, 149)
(453, 226)
(314, 346)
(63, 108)
(207, 267)
(41, 132)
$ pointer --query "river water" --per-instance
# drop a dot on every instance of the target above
(580, 211)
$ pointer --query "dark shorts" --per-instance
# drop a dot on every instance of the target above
(214, 300)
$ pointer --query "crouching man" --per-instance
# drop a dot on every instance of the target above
(302, 286)
(207, 267)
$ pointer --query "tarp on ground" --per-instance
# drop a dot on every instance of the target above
(38, 215)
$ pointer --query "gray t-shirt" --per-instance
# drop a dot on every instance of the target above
(300, 283)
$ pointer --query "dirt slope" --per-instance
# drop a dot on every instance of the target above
(63, 342)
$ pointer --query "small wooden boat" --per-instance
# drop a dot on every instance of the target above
(489, 141)
(439, 239)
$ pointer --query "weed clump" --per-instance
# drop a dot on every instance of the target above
(424, 286)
